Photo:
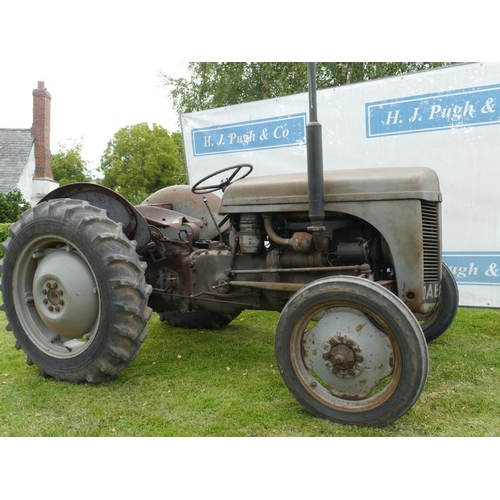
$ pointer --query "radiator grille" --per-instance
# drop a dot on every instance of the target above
(430, 229)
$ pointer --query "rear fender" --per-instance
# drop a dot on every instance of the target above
(117, 207)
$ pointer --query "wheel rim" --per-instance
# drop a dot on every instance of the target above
(56, 296)
(346, 356)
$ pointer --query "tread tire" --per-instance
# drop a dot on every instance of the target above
(444, 314)
(197, 319)
(112, 262)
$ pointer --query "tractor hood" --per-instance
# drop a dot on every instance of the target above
(289, 192)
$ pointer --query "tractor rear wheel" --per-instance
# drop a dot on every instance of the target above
(441, 318)
(74, 291)
(197, 319)
(350, 351)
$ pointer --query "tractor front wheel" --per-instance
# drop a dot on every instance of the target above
(350, 351)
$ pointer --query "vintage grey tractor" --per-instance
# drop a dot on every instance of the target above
(351, 259)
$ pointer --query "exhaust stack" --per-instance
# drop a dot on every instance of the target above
(314, 161)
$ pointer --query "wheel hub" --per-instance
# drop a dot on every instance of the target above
(347, 353)
(53, 300)
(343, 356)
(65, 293)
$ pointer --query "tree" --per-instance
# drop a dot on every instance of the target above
(141, 159)
(68, 164)
(214, 85)
(12, 205)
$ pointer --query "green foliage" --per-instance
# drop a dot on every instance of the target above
(141, 159)
(4, 234)
(68, 164)
(219, 84)
(12, 205)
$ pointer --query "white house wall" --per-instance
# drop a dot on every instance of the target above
(25, 184)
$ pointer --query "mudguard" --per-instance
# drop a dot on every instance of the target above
(118, 208)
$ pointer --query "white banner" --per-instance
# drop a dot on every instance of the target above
(447, 119)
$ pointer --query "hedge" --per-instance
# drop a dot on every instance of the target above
(12, 205)
(4, 234)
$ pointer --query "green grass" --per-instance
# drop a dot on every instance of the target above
(225, 383)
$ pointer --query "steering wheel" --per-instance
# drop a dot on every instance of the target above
(224, 183)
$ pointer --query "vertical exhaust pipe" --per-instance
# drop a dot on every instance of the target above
(315, 161)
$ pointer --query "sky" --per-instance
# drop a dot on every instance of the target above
(91, 108)
(100, 60)
(101, 69)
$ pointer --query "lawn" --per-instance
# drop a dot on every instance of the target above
(225, 383)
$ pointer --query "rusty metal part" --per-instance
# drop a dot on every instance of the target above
(279, 287)
(288, 258)
(299, 242)
(182, 200)
(163, 217)
(292, 287)
(364, 269)
(342, 357)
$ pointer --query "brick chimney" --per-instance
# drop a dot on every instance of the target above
(41, 132)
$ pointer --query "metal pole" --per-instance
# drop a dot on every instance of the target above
(314, 158)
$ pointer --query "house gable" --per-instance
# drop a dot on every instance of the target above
(17, 161)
